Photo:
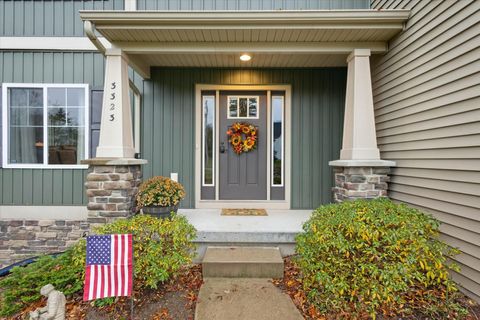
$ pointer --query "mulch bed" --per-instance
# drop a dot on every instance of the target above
(174, 300)
(291, 285)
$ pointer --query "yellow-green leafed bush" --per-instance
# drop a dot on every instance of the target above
(160, 191)
(369, 256)
(161, 246)
(22, 286)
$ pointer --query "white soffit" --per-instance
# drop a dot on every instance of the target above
(200, 38)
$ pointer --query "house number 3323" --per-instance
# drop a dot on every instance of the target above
(112, 101)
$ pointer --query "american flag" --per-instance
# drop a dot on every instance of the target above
(109, 266)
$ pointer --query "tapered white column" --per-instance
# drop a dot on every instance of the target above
(360, 173)
(359, 137)
(116, 135)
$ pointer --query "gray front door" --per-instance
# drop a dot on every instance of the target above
(244, 176)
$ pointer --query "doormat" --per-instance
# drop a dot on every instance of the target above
(244, 212)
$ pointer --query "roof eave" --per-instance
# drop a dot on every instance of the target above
(249, 19)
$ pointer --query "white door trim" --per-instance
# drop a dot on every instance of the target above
(269, 204)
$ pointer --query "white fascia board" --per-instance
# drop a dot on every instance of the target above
(283, 17)
(251, 47)
(50, 43)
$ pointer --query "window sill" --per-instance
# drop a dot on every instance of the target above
(42, 166)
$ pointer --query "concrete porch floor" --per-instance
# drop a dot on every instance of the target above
(211, 220)
(278, 229)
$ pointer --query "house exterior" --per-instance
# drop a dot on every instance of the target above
(344, 95)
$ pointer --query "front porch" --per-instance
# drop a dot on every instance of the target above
(277, 229)
(319, 59)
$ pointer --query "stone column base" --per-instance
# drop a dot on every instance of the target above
(111, 186)
(360, 179)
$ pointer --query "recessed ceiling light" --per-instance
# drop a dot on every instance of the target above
(245, 57)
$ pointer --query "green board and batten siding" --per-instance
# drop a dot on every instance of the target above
(168, 119)
(318, 97)
(251, 4)
(167, 113)
(55, 18)
(49, 18)
(47, 186)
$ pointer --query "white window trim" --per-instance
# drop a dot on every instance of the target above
(283, 144)
(137, 125)
(5, 125)
(213, 142)
(238, 107)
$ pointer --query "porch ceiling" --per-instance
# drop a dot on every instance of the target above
(272, 38)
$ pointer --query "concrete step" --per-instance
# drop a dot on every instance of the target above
(278, 229)
(243, 299)
(285, 241)
(242, 262)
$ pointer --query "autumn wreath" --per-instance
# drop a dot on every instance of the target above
(236, 133)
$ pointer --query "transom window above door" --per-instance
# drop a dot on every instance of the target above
(243, 107)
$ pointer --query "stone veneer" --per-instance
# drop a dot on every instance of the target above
(360, 183)
(111, 186)
(20, 239)
(111, 191)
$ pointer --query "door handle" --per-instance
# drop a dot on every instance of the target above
(222, 147)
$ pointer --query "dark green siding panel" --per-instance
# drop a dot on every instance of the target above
(37, 184)
(67, 179)
(318, 95)
(251, 4)
(47, 186)
(27, 184)
(48, 17)
(17, 185)
(7, 185)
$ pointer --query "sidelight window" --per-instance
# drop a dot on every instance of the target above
(277, 140)
(208, 133)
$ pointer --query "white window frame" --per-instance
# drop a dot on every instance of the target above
(204, 147)
(6, 126)
(273, 185)
(238, 107)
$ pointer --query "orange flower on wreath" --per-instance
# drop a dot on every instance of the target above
(237, 131)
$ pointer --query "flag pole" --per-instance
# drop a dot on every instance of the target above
(133, 274)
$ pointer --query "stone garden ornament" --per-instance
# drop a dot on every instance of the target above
(55, 308)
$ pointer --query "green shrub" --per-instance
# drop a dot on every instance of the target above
(23, 285)
(161, 248)
(364, 256)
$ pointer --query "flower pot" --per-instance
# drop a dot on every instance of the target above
(159, 211)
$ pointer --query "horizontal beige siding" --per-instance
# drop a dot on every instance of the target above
(427, 109)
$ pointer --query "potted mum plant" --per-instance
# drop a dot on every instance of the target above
(159, 196)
